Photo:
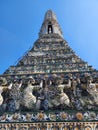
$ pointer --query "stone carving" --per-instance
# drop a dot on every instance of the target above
(92, 90)
(49, 92)
(64, 99)
(67, 85)
(1, 98)
(28, 99)
(3, 86)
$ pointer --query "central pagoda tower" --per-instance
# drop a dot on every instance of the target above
(50, 88)
(50, 53)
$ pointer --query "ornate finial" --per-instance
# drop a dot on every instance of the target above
(50, 15)
(50, 24)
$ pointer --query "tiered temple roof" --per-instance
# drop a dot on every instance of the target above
(50, 53)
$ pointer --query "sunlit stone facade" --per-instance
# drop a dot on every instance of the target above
(50, 87)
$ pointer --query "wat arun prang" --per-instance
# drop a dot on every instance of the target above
(51, 85)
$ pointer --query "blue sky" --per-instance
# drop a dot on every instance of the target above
(20, 22)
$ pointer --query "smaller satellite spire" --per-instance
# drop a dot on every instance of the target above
(50, 25)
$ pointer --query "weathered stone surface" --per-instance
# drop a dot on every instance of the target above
(50, 76)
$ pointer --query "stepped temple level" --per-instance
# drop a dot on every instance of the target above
(50, 88)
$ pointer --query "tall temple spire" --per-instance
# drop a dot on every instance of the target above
(50, 24)
(50, 53)
(50, 88)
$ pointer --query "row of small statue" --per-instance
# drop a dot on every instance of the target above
(47, 93)
(52, 116)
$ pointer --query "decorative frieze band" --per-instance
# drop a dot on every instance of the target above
(50, 126)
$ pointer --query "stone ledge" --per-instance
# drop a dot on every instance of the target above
(50, 126)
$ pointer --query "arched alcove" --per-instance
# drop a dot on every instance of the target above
(50, 28)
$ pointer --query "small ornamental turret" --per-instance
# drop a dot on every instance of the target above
(50, 24)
